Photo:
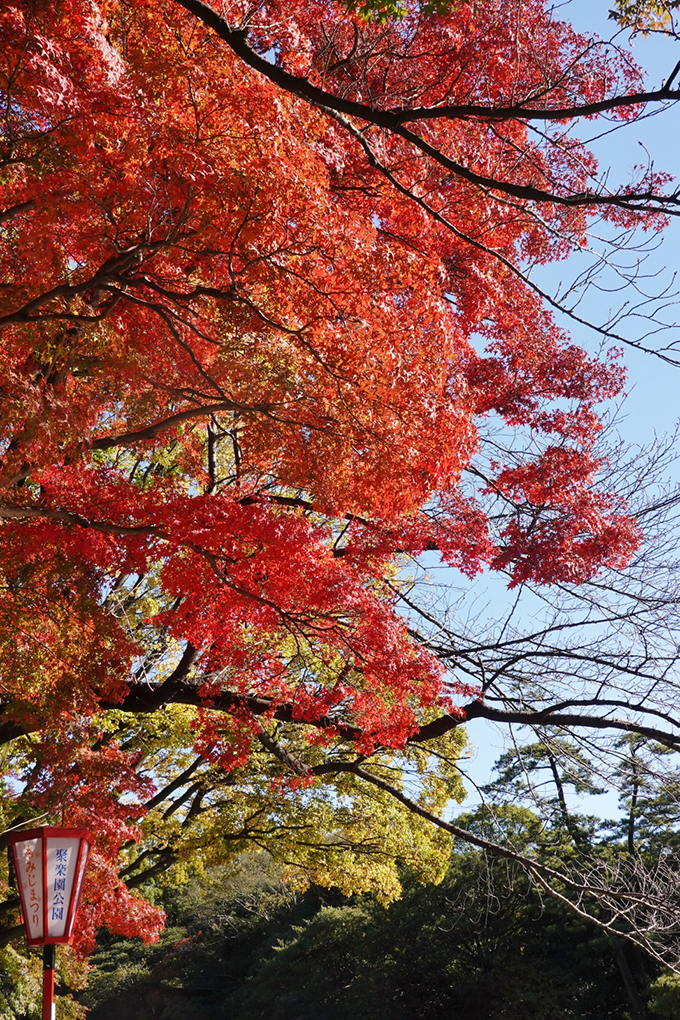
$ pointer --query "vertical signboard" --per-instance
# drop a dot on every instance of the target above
(50, 864)
(28, 861)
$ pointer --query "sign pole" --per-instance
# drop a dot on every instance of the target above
(49, 955)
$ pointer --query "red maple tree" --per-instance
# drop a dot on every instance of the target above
(250, 335)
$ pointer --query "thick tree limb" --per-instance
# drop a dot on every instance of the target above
(150, 431)
(25, 513)
(168, 790)
(16, 210)
(498, 256)
(237, 40)
(547, 717)
(143, 699)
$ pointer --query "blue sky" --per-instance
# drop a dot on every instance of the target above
(653, 402)
(652, 405)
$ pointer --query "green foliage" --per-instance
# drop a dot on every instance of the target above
(335, 831)
(381, 10)
(482, 945)
(651, 804)
(219, 926)
(21, 984)
(127, 971)
(645, 16)
(665, 1000)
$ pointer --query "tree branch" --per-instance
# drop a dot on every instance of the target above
(150, 431)
(15, 210)
(391, 119)
(237, 40)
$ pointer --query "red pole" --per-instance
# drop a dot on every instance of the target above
(48, 982)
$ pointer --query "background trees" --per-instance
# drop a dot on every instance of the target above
(270, 334)
(482, 944)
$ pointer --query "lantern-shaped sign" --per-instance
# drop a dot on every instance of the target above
(50, 864)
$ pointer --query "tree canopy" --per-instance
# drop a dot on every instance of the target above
(269, 333)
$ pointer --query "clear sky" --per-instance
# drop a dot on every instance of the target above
(653, 401)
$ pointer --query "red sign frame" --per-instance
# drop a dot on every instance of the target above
(42, 835)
